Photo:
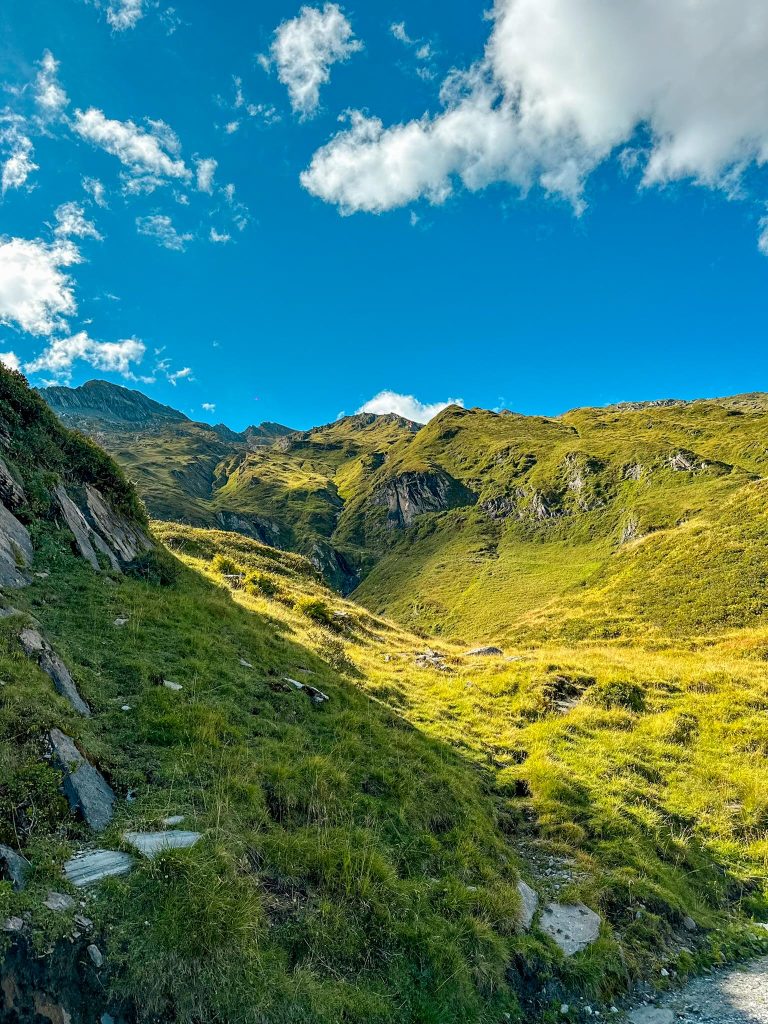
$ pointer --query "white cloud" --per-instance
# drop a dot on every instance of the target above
(149, 154)
(185, 374)
(71, 222)
(51, 98)
(113, 356)
(10, 360)
(205, 171)
(219, 237)
(399, 31)
(35, 294)
(306, 47)
(125, 14)
(95, 190)
(208, 406)
(562, 85)
(18, 165)
(161, 228)
(406, 405)
(231, 127)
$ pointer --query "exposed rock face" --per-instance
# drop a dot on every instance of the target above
(16, 867)
(572, 927)
(16, 551)
(11, 491)
(412, 494)
(630, 530)
(529, 904)
(484, 652)
(96, 527)
(39, 650)
(333, 567)
(84, 786)
(99, 402)
(256, 527)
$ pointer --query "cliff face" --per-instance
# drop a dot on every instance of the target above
(413, 494)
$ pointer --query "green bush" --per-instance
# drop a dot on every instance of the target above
(157, 566)
(618, 694)
(316, 609)
(225, 565)
(260, 583)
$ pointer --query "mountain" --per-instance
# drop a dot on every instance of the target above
(313, 816)
(485, 527)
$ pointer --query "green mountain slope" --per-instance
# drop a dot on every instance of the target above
(484, 526)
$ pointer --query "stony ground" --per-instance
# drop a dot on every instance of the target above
(738, 995)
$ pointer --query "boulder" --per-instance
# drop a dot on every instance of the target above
(529, 904)
(85, 787)
(484, 652)
(150, 844)
(16, 867)
(58, 902)
(16, 552)
(39, 650)
(92, 866)
(572, 927)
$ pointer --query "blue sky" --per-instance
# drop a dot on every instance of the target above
(510, 238)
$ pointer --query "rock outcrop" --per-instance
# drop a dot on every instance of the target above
(412, 494)
(39, 650)
(16, 552)
(572, 927)
(84, 786)
(96, 527)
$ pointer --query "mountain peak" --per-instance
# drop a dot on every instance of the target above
(108, 404)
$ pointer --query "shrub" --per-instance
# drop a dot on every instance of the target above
(618, 694)
(224, 565)
(260, 583)
(157, 566)
(316, 610)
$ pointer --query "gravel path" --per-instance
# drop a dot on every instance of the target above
(738, 995)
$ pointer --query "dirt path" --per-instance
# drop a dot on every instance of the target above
(738, 995)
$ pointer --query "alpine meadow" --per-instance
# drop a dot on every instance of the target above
(383, 512)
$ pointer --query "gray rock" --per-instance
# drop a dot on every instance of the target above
(17, 867)
(529, 904)
(84, 786)
(126, 540)
(16, 552)
(572, 927)
(12, 924)
(11, 491)
(39, 650)
(484, 652)
(689, 924)
(96, 956)
(315, 695)
(651, 1015)
(78, 526)
(92, 866)
(58, 902)
(174, 819)
(412, 494)
(170, 685)
(150, 844)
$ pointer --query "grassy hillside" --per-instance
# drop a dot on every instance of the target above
(484, 526)
(360, 855)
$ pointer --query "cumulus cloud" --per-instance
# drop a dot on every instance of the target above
(49, 95)
(208, 406)
(35, 292)
(151, 154)
(184, 374)
(407, 406)
(95, 190)
(161, 228)
(563, 85)
(205, 171)
(113, 356)
(18, 163)
(10, 360)
(125, 14)
(71, 222)
(219, 237)
(306, 47)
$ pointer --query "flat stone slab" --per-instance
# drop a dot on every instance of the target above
(16, 866)
(39, 650)
(484, 652)
(529, 904)
(572, 926)
(58, 902)
(315, 695)
(150, 844)
(94, 865)
(85, 787)
(651, 1015)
